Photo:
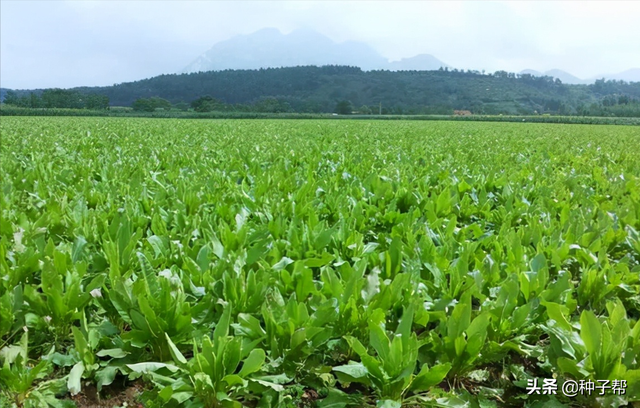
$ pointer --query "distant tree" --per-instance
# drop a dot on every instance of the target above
(272, 105)
(344, 107)
(160, 103)
(24, 101)
(96, 102)
(609, 100)
(563, 109)
(312, 106)
(34, 101)
(183, 106)
(62, 98)
(150, 104)
(143, 105)
(205, 103)
(365, 110)
(583, 110)
(11, 98)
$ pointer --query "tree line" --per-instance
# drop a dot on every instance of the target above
(342, 89)
(345, 90)
(58, 98)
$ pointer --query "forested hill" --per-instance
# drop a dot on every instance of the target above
(320, 89)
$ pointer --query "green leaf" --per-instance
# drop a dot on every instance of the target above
(166, 393)
(75, 377)
(105, 376)
(538, 262)
(555, 312)
(222, 327)
(478, 326)
(151, 367)
(323, 239)
(175, 353)
(404, 328)
(253, 362)
(571, 367)
(591, 332)
(96, 283)
(372, 365)
(8, 354)
(428, 377)
(282, 263)
(275, 382)
(158, 245)
(460, 317)
(379, 341)
(325, 259)
(388, 404)
(149, 274)
(78, 247)
(202, 259)
(335, 399)
(218, 249)
(233, 380)
(231, 355)
(353, 369)
(62, 360)
(182, 396)
(113, 353)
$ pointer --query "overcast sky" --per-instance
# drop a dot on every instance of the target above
(74, 43)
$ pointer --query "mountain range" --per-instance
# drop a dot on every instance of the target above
(630, 75)
(269, 48)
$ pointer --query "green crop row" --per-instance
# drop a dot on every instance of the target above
(318, 263)
(126, 112)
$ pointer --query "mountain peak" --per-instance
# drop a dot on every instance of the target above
(421, 62)
(563, 76)
(630, 75)
(269, 48)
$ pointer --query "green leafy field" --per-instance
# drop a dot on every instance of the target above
(318, 263)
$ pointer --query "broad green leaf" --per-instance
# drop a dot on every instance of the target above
(353, 369)
(253, 362)
(388, 404)
(334, 399)
(233, 380)
(113, 353)
(166, 393)
(222, 327)
(556, 312)
(428, 377)
(460, 318)
(175, 353)
(379, 341)
(591, 332)
(538, 262)
(282, 263)
(105, 376)
(78, 248)
(151, 367)
(75, 378)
